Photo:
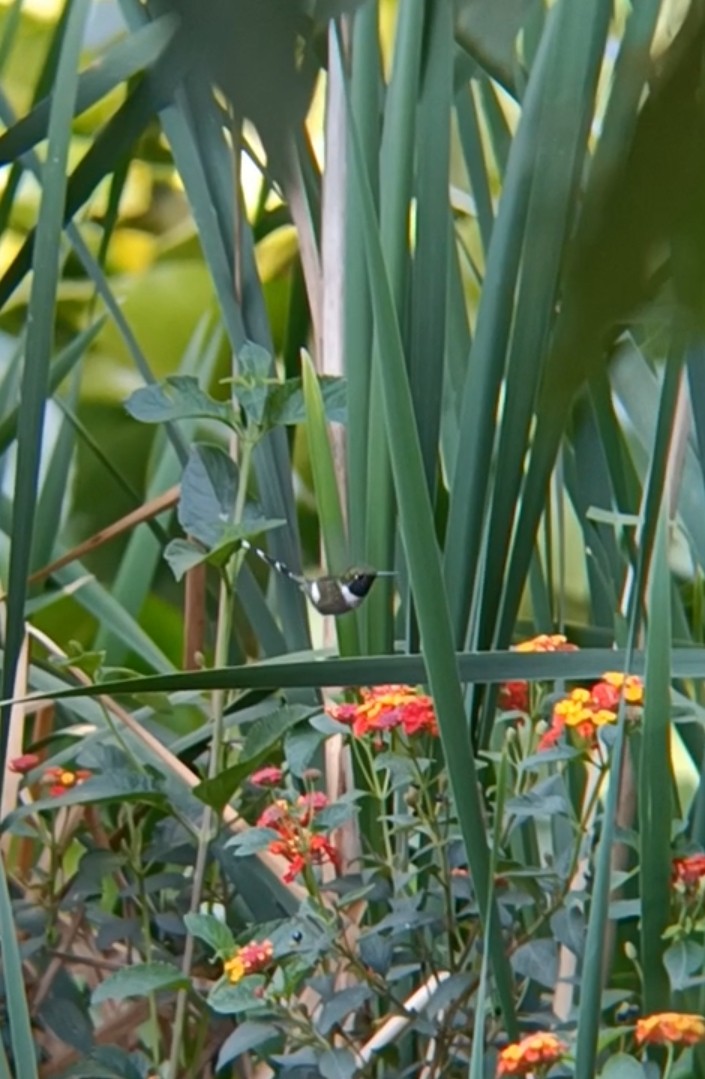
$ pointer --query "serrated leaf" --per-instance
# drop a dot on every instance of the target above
(682, 960)
(376, 952)
(300, 746)
(337, 1064)
(622, 1066)
(251, 841)
(262, 737)
(211, 930)
(208, 491)
(182, 556)
(333, 816)
(266, 733)
(249, 1035)
(231, 999)
(177, 398)
(342, 1004)
(252, 386)
(537, 959)
(286, 404)
(218, 791)
(139, 981)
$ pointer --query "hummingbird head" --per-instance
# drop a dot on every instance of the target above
(359, 579)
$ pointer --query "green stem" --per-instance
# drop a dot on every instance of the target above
(215, 763)
(669, 1060)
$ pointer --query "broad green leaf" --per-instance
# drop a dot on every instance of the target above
(182, 556)
(177, 398)
(251, 841)
(139, 980)
(248, 1035)
(208, 493)
(622, 1066)
(337, 1064)
(286, 404)
(253, 381)
(229, 999)
(211, 930)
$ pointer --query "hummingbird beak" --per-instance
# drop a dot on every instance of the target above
(386, 573)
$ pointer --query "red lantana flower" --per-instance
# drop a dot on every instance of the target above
(297, 842)
(536, 1051)
(670, 1027)
(688, 873)
(386, 707)
(24, 764)
(251, 958)
(269, 776)
(63, 779)
(514, 697)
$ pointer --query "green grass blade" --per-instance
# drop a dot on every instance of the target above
(365, 88)
(429, 283)
(39, 343)
(304, 671)
(475, 162)
(22, 1041)
(395, 188)
(570, 85)
(471, 470)
(423, 558)
(330, 514)
(656, 781)
(598, 278)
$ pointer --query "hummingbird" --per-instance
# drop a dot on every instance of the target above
(329, 594)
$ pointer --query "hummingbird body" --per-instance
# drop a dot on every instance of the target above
(328, 594)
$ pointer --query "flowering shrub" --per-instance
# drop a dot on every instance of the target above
(380, 954)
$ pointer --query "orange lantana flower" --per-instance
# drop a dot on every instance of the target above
(384, 707)
(675, 1028)
(249, 959)
(297, 841)
(615, 685)
(546, 642)
(540, 1050)
(580, 714)
(63, 779)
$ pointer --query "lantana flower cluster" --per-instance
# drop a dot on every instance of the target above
(688, 875)
(585, 711)
(252, 958)
(533, 1055)
(516, 696)
(61, 780)
(58, 780)
(384, 708)
(298, 842)
(674, 1028)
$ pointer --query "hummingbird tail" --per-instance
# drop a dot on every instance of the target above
(280, 567)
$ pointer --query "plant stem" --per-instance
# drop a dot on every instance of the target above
(218, 704)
